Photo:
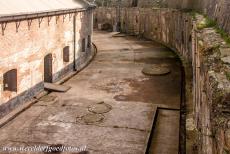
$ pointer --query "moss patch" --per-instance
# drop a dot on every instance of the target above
(209, 23)
(206, 23)
(227, 75)
(223, 34)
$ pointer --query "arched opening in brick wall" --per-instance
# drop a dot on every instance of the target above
(10, 80)
(134, 3)
(89, 41)
(48, 68)
(107, 27)
(83, 46)
(66, 54)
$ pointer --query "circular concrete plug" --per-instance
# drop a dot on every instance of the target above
(156, 70)
(100, 108)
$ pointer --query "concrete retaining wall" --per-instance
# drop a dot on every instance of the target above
(218, 10)
(204, 54)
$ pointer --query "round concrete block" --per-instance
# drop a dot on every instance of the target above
(100, 108)
(92, 118)
(156, 70)
(48, 98)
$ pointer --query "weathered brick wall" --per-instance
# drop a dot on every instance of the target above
(205, 51)
(25, 47)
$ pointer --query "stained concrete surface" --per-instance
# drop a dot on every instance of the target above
(115, 78)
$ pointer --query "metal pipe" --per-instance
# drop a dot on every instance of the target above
(74, 42)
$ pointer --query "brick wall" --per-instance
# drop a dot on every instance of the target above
(205, 55)
(24, 45)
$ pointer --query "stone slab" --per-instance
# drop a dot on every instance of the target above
(56, 87)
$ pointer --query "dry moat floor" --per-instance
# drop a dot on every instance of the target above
(111, 105)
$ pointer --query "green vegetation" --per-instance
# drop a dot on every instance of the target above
(227, 75)
(209, 23)
(193, 14)
(206, 23)
(223, 34)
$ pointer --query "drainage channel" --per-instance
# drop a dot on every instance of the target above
(168, 134)
(164, 137)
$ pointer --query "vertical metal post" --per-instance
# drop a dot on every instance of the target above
(74, 42)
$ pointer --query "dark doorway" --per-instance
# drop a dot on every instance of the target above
(89, 41)
(66, 54)
(10, 80)
(48, 68)
(83, 45)
(134, 3)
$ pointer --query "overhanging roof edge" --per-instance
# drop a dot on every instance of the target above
(25, 16)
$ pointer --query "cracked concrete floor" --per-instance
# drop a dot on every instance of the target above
(114, 79)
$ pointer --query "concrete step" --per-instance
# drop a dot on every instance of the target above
(56, 87)
(148, 139)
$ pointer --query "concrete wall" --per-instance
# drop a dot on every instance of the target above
(216, 9)
(220, 11)
(24, 48)
(204, 55)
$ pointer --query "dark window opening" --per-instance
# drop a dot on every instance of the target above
(182, 37)
(134, 3)
(136, 19)
(83, 45)
(48, 68)
(190, 38)
(66, 54)
(10, 80)
(89, 41)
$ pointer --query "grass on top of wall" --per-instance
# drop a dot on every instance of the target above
(224, 35)
(210, 23)
(206, 23)
(227, 75)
